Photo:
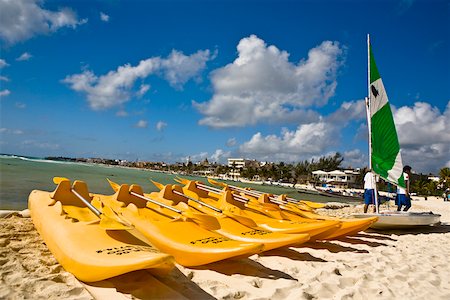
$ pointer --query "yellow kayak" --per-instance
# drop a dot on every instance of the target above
(303, 204)
(227, 202)
(296, 213)
(229, 227)
(301, 212)
(175, 233)
(74, 236)
(348, 227)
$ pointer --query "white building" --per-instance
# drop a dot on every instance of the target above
(237, 163)
(337, 177)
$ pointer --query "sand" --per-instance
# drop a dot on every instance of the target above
(410, 264)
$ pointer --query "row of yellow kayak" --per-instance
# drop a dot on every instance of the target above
(97, 236)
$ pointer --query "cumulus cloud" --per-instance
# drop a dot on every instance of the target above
(196, 157)
(262, 85)
(4, 93)
(307, 140)
(424, 135)
(24, 57)
(348, 111)
(219, 156)
(355, 158)
(23, 19)
(141, 124)
(143, 89)
(161, 125)
(116, 87)
(104, 17)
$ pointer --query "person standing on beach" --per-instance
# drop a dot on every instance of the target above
(369, 190)
(403, 197)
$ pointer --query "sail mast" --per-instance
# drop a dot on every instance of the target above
(369, 125)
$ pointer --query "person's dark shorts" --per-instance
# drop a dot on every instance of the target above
(369, 197)
(403, 200)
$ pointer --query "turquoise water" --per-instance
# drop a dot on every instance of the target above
(19, 176)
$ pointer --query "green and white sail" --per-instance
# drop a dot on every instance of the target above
(386, 159)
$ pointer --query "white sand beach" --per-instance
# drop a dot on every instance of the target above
(411, 264)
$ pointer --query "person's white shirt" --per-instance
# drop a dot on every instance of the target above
(401, 190)
(369, 181)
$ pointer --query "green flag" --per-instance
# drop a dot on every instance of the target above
(386, 157)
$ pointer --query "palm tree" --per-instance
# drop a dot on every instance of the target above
(444, 178)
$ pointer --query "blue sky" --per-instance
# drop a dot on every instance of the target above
(265, 80)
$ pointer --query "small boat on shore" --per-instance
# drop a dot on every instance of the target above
(385, 155)
(401, 219)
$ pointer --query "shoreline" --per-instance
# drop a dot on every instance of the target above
(410, 264)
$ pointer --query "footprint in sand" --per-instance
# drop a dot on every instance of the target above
(257, 283)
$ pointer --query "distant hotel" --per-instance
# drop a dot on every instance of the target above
(346, 178)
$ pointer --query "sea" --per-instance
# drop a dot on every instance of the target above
(20, 175)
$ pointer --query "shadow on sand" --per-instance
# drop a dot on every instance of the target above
(292, 254)
(372, 234)
(360, 241)
(332, 247)
(246, 267)
(141, 285)
(183, 285)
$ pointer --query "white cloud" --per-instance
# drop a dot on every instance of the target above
(121, 113)
(23, 19)
(143, 89)
(4, 93)
(355, 158)
(3, 63)
(219, 156)
(141, 124)
(231, 142)
(348, 111)
(24, 57)
(262, 85)
(40, 145)
(307, 140)
(161, 125)
(11, 131)
(424, 135)
(311, 139)
(104, 17)
(4, 78)
(196, 157)
(115, 87)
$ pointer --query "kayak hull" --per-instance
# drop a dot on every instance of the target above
(190, 244)
(86, 250)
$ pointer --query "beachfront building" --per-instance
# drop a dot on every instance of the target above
(346, 178)
(236, 165)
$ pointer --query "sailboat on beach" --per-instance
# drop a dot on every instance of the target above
(385, 158)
